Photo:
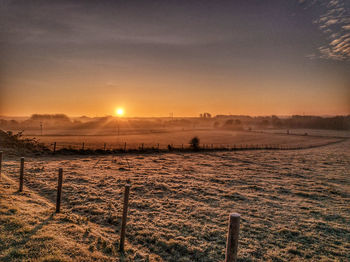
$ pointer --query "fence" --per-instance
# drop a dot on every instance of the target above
(93, 148)
(233, 224)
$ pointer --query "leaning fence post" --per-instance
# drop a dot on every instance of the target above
(0, 163)
(125, 213)
(59, 190)
(54, 147)
(232, 238)
(21, 174)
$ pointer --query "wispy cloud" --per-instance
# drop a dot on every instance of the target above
(334, 22)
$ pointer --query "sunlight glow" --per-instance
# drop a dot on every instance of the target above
(119, 111)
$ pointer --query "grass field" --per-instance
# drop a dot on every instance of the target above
(294, 205)
(217, 138)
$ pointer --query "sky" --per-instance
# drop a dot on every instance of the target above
(153, 58)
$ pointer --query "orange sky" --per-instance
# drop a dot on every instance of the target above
(233, 58)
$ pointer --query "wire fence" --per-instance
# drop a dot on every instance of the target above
(125, 147)
(231, 250)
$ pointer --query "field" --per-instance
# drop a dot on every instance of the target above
(294, 205)
(177, 138)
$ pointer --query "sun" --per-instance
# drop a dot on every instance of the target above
(119, 111)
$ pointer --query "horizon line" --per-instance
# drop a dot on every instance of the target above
(197, 116)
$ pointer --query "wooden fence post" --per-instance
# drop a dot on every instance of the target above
(104, 146)
(125, 213)
(54, 147)
(82, 148)
(232, 238)
(21, 174)
(0, 163)
(59, 190)
(125, 147)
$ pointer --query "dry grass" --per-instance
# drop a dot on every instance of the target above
(31, 231)
(294, 204)
(217, 138)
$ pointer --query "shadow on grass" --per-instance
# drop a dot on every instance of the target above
(18, 241)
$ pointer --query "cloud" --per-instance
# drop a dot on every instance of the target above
(333, 3)
(334, 22)
(331, 22)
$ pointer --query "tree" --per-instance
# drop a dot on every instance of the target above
(195, 143)
(229, 122)
(205, 115)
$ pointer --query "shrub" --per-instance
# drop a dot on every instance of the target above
(195, 143)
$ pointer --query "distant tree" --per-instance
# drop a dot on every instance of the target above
(264, 122)
(205, 115)
(233, 124)
(195, 143)
(276, 121)
(229, 122)
(60, 117)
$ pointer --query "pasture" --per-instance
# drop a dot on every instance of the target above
(294, 204)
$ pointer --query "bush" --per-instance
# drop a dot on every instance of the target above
(195, 143)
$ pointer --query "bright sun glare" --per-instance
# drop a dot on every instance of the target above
(119, 111)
